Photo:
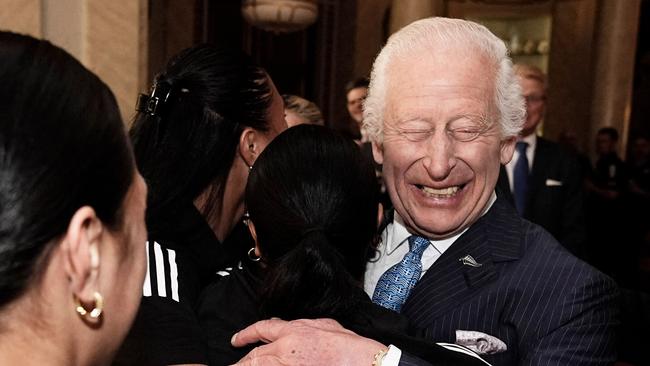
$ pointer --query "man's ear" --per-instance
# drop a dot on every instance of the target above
(378, 152)
(507, 149)
(80, 249)
(249, 145)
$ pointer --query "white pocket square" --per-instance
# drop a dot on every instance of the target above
(481, 343)
(553, 183)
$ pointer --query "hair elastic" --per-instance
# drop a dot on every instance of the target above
(313, 231)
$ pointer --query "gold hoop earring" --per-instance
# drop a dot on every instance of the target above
(252, 256)
(98, 307)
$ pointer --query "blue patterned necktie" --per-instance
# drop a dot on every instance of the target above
(520, 175)
(395, 284)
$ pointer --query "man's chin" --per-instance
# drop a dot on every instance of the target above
(435, 226)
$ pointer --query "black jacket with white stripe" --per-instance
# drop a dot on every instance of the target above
(183, 254)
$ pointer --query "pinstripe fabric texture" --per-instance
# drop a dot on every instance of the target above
(549, 307)
(408, 360)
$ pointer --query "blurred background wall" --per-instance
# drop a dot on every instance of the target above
(596, 52)
(108, 37)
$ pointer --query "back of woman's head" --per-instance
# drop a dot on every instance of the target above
(304, 108)
(62, 146)
(186, 145)
(312, 197)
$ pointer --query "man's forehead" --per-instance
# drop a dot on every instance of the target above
(445, 89)
(434, 73)
(413, 100)
(420, 81)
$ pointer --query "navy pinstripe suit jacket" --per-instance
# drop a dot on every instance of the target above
(549, 307)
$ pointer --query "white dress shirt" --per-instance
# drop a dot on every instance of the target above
(530, 154)
(394, 246)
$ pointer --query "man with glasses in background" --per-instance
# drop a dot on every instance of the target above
(543, 180)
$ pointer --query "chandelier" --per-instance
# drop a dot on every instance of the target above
(506, 2)
(280, 16)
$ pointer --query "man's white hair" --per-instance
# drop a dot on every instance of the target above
(444, 33)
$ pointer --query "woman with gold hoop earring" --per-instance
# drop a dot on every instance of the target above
(71, 211)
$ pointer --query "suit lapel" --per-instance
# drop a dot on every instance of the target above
(449, 283)
(540, 169)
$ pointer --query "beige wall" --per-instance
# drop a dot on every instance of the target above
(369, 34)
(614, 68)
(62, 24)
(116, 49)
(570, 70)
(404, 12)
(21, 16)
(108, 37)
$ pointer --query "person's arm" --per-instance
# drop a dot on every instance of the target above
(582, 331)
(305, 342)
(325, 342)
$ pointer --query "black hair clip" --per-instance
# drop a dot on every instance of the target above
(152, 104)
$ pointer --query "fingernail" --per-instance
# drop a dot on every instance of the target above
(233, 339)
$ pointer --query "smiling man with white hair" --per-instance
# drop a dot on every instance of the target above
(443, 111)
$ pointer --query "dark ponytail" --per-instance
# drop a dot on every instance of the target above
(313, 199)
(309, 281)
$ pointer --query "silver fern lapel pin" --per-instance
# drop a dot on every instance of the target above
(468, 260)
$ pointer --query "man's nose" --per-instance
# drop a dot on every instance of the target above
(440, 158)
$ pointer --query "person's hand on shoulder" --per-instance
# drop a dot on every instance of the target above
(305, 342)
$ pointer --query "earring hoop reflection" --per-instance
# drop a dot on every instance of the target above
(252, 256)
(95, 312)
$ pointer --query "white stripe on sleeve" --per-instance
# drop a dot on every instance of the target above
(146, 287)
(160, 270)
(173, 273)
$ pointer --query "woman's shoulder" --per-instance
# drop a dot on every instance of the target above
(229, 285)
(226, 306)
(229, 302)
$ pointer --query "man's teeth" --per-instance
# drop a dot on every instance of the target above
(440, 192)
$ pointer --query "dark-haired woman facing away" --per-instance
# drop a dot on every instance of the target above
(210, 114)
(313, 215)
(71, 211)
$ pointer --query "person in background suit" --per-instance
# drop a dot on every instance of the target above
(355, 94)
(543, 179)
(444, 111)
(608, 213)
